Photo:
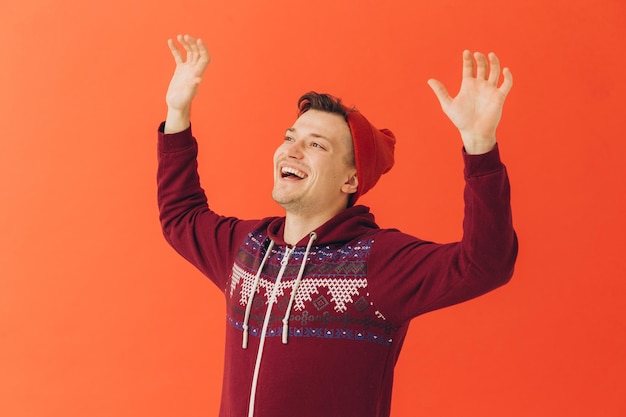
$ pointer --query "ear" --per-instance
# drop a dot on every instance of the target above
(350, 186)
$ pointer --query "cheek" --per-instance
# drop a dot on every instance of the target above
(332, 171)
(277, 153)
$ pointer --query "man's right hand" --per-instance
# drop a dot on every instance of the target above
(184, 84)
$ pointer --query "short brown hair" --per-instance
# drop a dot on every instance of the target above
(323, 102)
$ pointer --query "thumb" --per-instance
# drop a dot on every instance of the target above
(440, 91)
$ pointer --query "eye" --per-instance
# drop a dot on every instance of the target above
(317, 145)
(288, 139)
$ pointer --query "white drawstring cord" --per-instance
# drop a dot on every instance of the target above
(255, 285)
(312, 237)
(268, 313)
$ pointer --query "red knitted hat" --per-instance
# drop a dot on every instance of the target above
(373, 152)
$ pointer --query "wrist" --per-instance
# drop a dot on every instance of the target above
(177, 120)
(477, 144)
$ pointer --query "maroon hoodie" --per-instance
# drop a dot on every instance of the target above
(329, 347)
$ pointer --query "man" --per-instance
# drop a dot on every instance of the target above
(318, 302)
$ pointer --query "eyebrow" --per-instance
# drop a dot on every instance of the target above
(315, 135)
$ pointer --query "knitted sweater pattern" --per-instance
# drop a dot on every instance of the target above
(331, 302)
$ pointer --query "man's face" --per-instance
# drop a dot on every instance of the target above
(313, 168)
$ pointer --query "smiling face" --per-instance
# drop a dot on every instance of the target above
(314, 171)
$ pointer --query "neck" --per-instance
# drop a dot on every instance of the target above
(298, 226)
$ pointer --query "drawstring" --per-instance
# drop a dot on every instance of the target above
(271, 301)
(312, 237)
(255, 285)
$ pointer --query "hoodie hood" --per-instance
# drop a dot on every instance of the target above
(345, 226)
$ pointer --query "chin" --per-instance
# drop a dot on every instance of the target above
(290, 204)
(281, 199)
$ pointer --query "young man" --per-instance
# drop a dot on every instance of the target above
(318, 302)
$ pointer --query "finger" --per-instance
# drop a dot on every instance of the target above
(193, 45)
(508, 81)
(494, 69)
(440, 91)
(178, 58)
(204, 52)
(184, 41)
(468, 64)
(189, 39)
(481, 66)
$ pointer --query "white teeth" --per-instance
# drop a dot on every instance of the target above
(293, 171)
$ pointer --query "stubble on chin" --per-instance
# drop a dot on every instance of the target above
(290, 204)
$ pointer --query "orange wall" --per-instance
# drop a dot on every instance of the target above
(99, 317)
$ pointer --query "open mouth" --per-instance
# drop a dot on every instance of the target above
(292, 173)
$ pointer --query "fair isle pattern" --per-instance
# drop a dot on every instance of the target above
(331, 302)
(237, 275)
(339, 271)
(321, 333)
(341, 291)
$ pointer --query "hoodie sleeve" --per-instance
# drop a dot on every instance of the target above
(410, 277)
(204, 238)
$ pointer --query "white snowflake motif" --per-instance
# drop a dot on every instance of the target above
(237, 274)
(340, 279)
(340, 290)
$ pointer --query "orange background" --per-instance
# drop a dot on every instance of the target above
(99, 317)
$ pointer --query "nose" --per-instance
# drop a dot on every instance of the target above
(295, 150)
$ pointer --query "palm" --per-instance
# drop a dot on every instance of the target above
(188, 73)
(477, 108)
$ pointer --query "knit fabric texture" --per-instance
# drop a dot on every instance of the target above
(373, 152)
